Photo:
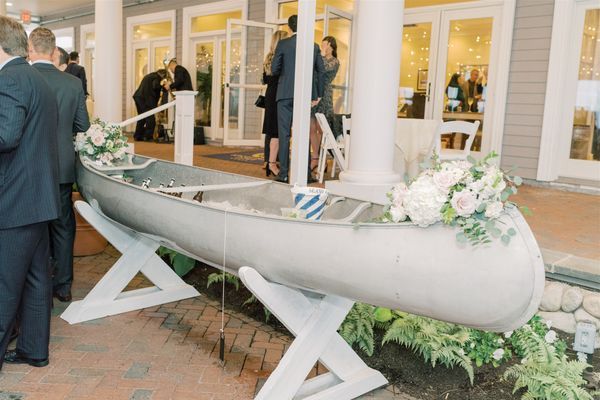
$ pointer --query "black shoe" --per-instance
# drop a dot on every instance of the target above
(285, 179)
(65, 298)
(13, 357)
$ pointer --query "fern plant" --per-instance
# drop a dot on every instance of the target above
(545, 373)
(436, 341)
(357, 328)
(217, 277)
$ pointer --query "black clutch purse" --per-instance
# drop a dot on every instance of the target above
(260, 101)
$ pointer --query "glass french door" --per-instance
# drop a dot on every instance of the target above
(149, 56)
(580, 145)
(338, 23)
(245, 47)
(437, 45)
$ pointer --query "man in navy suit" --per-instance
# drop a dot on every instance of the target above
(28, 198)
(72, 118)
(77, 70)
(284, 65)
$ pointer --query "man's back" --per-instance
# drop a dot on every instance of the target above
(149, 90)
(79, 72)
(28, 147)
(181, 79)
(72, 115)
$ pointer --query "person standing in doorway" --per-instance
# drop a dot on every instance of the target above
(72, 118)
(77, 70)
(29, 199)
(284, 65)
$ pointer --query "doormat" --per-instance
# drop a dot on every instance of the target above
(255, 156)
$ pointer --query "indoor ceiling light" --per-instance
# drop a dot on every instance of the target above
(9, 4)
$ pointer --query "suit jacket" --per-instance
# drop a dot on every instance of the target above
(28, 148)
(148, 93)
(181, 79)
(284, 65)
(72, 116)
(79, 72)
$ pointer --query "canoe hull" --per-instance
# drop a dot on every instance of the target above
(424, 271)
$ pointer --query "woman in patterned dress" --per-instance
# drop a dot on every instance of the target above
(325, 106)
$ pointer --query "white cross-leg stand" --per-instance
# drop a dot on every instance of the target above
(314, 320)
(138, 255)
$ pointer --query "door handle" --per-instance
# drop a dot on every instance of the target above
(428, 91)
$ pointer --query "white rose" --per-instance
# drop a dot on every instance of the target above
(494, 209)
(464, 202)
(89, 149)
(500, 341)
(508, 334)
(398, 213)
(498, 354)
(398, 193)
(444, 180)
(550, 337)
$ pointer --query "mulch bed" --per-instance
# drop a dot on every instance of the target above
(401, 367)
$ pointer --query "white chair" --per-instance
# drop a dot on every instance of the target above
(346, 126)
(328, 142)
(466, 128)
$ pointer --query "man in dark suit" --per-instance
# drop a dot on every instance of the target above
(77, 70)
(29, 198)
(146, 98)
(284, 65)
(181, 77)
(60, 59)
(72, 118)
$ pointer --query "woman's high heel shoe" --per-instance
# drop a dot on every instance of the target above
(270, 170)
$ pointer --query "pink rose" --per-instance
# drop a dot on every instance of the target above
(464, 202)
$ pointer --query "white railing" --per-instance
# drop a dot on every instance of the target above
(184, 124)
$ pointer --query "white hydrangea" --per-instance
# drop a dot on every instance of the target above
(423, 201)
(508, 334)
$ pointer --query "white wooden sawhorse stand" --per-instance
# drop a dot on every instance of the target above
(138, 255)
(314, 320)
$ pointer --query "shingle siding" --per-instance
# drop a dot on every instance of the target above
(527, 86)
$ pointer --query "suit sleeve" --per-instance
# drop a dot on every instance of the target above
(277, 61)
(178, 79)
(12, 115)
(81, 122)
(84, 81)
(319, 73)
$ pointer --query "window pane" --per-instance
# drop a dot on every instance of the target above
(586, 120)
(204, 74)
(214, 22)
(469, 46)
(141, 65)
(290, 8)
(162, 55)
(154, 30)
(414, 74)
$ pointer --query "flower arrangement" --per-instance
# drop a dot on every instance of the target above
(104, 143)
(468, 193)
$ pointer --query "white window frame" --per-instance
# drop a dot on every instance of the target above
(66, 32)
(137, 20)
(557, 125)
(83, 49)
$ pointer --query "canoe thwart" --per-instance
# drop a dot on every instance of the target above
(123, 167)
(209, 188)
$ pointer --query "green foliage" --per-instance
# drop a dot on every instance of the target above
(180, 263)
(545, 373)
(436, 341)
(252, 299)
(357, 328)
(486, 347)
(217, 277)
(521, 338)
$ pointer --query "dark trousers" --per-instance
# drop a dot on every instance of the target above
(25, 280)
(62, 236)
(285, 112)
(144, 128)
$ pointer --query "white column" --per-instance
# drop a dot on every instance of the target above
(184, 127)
(370, 172)
(302, 91)
(3, 7)
(109, 60)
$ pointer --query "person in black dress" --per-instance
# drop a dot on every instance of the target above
(270, 121)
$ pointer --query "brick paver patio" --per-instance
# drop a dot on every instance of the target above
(165, 352)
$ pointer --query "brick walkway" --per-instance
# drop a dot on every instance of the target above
(166, 352)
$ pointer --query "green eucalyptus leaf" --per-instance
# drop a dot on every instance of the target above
(505, 239)
(518, 180)
(511, 232)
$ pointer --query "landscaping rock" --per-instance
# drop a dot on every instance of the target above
(560, 320)
(591, 304)
(582, 315)
(552, 298)
(571, 299)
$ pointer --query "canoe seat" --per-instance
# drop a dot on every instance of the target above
(354, 214)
